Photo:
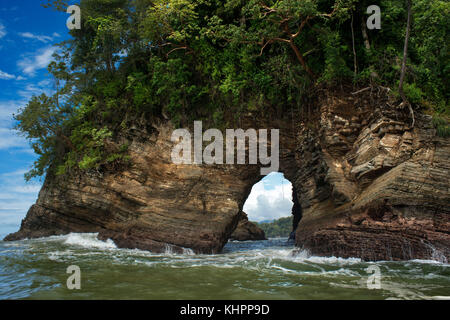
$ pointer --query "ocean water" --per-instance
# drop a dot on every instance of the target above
(37, 269)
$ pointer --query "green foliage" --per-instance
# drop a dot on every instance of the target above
(335, 69)
(177, 20)
(414, 94)
(92, 150)
(428, 64)
(278, 228)
(442, 126)
(431, 44)
(42, 122)
(217, 60)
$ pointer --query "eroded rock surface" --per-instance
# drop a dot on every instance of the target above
(247, 230)
(371, 186)
(154, 205)
(368, 184)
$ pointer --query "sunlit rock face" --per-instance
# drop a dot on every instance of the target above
(366, 185)
(371, 186)
(153, 204)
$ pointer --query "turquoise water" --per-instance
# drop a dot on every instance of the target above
(36, 269)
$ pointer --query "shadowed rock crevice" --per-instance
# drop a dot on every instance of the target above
(296, 209)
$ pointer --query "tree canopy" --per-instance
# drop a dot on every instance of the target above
(278, 228)
(216, 60)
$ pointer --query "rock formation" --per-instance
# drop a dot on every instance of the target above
(368, 184)
(371, 186)
(247, 230)
(153, 205)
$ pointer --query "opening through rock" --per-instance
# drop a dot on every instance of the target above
(272, 206)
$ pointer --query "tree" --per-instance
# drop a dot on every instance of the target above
(136, 60)
(172, 24)
(267, 22)
(278, 228)
(42, 123)
(405, 57)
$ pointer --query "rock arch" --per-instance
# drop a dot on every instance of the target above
(367, 186)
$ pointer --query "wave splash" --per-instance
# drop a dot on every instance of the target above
(89, 240)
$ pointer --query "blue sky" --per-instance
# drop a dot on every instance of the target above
(28, 33)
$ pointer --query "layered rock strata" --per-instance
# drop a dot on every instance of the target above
(370, 185)
(366, 184)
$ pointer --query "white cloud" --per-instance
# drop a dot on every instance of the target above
(16, 197)
(26, 189)
(10, 107)
(7, 109)
(35, 90)
(2, 31)
(40, 60)
(11, 217)
(10, 139)
(41, 38)
(268, 202)
(6, 76)
(9, 9)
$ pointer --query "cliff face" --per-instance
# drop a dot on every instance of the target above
(154, 205)
(368, 185)
(247, 230)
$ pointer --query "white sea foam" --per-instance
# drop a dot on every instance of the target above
(60, 255)
(430, 262)
(89, 240)
(327, 260)
(188, 252)
(304, 256)
(272, 264)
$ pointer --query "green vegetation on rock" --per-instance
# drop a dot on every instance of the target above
(138, 60)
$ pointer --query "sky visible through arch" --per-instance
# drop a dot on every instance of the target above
(28, 34)
(270, 199)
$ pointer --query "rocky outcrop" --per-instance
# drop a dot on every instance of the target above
(368, 185)
(371, 186)
(153, 205)
(247, 230)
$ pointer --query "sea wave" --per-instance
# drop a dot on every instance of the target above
(256, 267)
(89, 240)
